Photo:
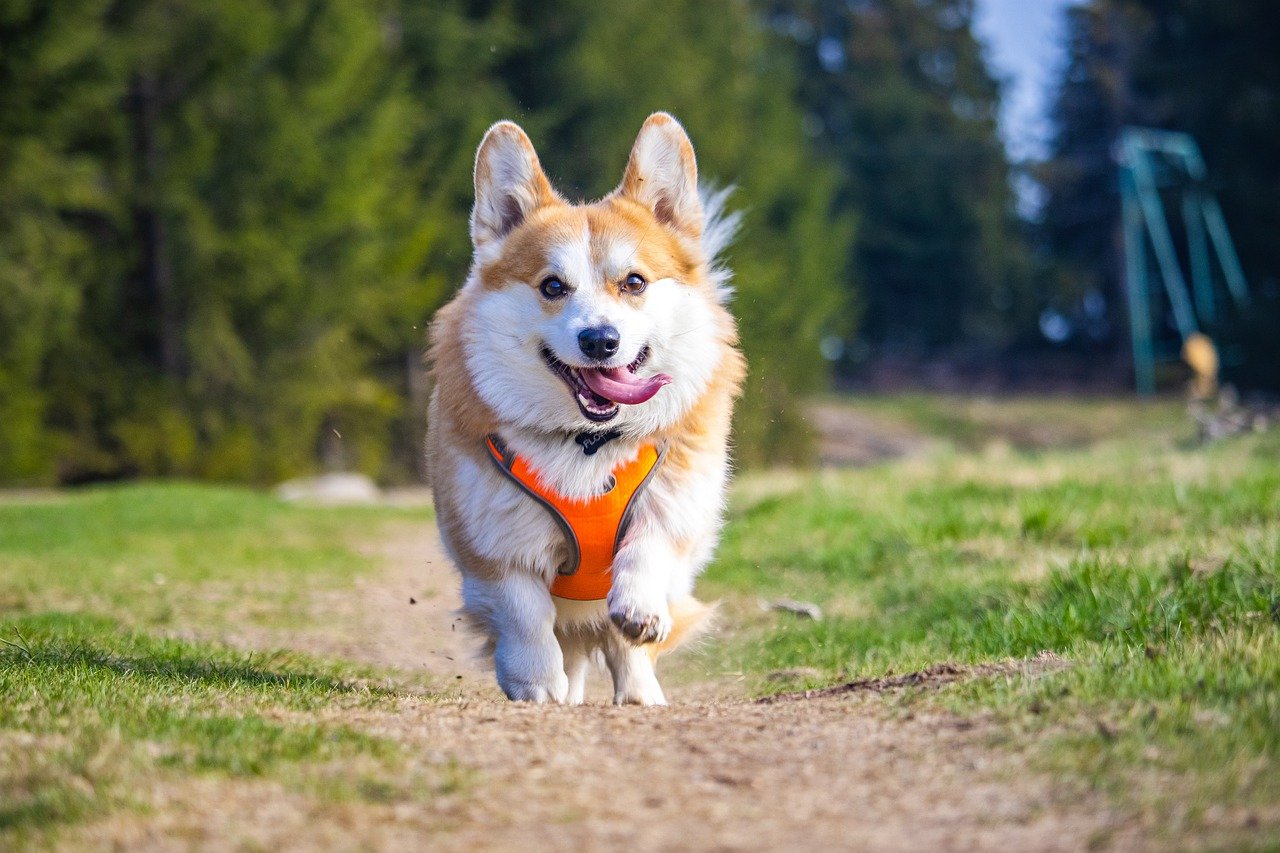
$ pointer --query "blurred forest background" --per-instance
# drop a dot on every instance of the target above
(224, 225)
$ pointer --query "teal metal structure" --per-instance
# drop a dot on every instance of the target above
(1152, 161)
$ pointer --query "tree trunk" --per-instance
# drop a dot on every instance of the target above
(159, 294)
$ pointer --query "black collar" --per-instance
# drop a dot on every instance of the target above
(593, 440)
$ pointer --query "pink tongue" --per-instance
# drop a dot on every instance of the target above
(622, 386)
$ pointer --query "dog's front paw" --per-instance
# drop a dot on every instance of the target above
(638, 620)
(649, 693)
(531, 671)
(642, 627)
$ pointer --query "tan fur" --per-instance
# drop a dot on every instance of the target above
(461, 420)
(705, 429)
(664, 225)
(690, 620)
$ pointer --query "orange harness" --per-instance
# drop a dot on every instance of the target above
(593, 528)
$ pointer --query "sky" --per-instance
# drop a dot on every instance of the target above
(1025, 49)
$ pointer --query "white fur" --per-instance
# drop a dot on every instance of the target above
(634, 681)
(619, 257)
(503, 337)
(542, 644)
(521, 620)
(571, 261)
(509, 325)
(669, 182)
(509, 193)
(504, 525)
(514, 532)
(719, 229)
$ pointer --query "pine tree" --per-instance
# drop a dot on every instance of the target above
(897, 92)
(448, 53)
(1079, 221)
(239, 258)
(224, 225)
(56, 96)
(1212, 70)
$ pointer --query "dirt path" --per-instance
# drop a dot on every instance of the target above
(849, 437)
(401, 618)
(833, 771)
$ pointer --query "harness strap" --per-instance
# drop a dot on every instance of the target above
(594, 527)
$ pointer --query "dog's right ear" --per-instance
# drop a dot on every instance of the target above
(510, 183)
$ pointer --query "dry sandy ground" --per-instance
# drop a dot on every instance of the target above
(849, 437)
(820, 772)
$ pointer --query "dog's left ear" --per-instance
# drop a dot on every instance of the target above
(662, 174)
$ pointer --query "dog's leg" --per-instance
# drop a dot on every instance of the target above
(634, 681)
(576, 660)
(527, 656)
(638, 597)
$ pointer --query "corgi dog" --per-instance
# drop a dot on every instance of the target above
(583, 380)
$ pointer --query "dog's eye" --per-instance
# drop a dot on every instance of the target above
(634, 283)
(552, 287)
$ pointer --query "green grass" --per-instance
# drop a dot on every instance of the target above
(1025, 423)
(1150, 566)
(180, 553)
(97, 702)
(1153, 568)
(97, 705)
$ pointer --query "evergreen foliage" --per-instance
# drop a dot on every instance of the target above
(898, 94)
(56, 98)
(223, 187)
(225, 225)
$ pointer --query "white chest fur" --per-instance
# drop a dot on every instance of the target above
(505, 526)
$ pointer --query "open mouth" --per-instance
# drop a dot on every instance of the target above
(598, 391)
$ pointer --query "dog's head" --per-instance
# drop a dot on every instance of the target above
(604, 313)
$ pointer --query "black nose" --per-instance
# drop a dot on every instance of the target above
(599, 342)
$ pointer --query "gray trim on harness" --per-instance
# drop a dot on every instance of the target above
(571, 539)
(624, 523)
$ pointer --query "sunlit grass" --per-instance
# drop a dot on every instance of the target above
(180, 553)
(90, 709)
(97, 701)
(1152, 569)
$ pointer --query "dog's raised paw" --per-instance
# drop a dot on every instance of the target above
(641, 627)
(640, 614)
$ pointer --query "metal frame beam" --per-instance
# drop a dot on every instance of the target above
(1146, 225)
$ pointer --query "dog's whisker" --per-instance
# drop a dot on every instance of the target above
(691, 331)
